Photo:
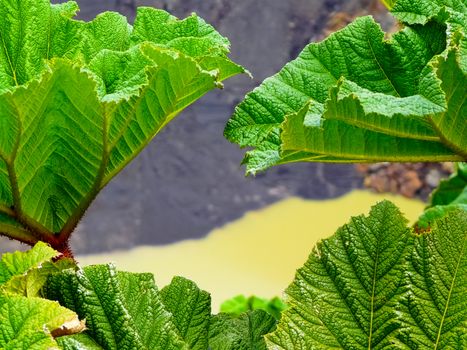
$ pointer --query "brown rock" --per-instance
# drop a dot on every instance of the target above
(410, 183)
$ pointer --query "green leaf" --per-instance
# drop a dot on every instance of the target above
(25, 273)
(305, 133)
(421, 11)
(27, 323)
(453, 189)
(31, 283)
(79, 100)
(170, 89)
(451, 124)
(376, 285)
(123, 310)
(109, 31)
(18, 263)
(24, 40)
(13, 229)
(160, 27)
(358, 97)
(244, 332)
(434, 309)
(450, 195)
(32, 341)
(432, 214)
(61, 135)
(240, 304)
(405, 117)
(191, 310)
(126, 311)
(78, 342)
(344, 297)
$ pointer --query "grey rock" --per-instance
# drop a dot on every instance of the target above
(433, 178)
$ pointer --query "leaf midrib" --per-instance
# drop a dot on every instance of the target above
(381, 67)
(397, 158)
(71, 223)
(372, 312)
(13, 72)
(391, 132)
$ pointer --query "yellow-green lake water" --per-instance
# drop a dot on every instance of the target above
(256, 254)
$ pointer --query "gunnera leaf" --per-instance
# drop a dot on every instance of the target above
(26, 320)
(28, 323)
(126, 310)
(19, 263)
(25, 273)
(191, 310)
(434, 307)
(78, 342)
(421, 11)
(243, 332)
(357, 96)
(31, 283)
(376, 285)
(345, 296)
(79, 100)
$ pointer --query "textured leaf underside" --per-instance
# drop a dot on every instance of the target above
(356, 97)
(79, 100)
(191, 308)
(345, 295)
(126, 310)
(122, 310)
(244, 332)
(434, 312)
(375, 285)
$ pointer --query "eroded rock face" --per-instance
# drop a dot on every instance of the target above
(189, 180)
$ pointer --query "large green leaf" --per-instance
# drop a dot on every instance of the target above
(452, 71)
(191, 310)
(375, 285)
(434, 312)
(453, 189)
(79, 100)
(358, 97)
(345, 295)
(126, 310)
(244, 332)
